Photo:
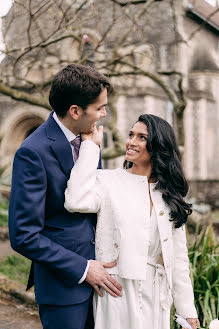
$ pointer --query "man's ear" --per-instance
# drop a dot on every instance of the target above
(75, 111)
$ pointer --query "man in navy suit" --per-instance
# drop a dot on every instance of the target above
(60, 244)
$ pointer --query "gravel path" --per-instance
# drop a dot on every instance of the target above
(14, 315)
(5, 249)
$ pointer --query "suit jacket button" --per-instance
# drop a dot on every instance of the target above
(115, 245)
(92, 241)
(161, 213)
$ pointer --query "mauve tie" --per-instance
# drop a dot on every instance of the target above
(76, 144)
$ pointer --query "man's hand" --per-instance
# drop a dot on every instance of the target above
(194, 323)
(95, 136)
(98, 277)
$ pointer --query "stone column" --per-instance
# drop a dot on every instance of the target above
(188, 159)
(199, 140)
(149, 104)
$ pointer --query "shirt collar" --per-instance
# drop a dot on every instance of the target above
(68, 133)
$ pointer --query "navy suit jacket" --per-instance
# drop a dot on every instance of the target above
(58, 242)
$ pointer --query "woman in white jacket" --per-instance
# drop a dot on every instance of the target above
(141, 216)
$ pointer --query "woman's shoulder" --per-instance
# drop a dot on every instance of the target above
(111, 175)
(108, 173)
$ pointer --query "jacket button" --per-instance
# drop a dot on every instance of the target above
(161, 213)
(115, 245)
(165, 240)
(92, 241)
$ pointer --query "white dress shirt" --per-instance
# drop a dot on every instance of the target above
(70, 137)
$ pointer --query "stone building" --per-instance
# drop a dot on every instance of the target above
(195, 54)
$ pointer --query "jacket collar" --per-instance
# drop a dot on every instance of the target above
(59, 144)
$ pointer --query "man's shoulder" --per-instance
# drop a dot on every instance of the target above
(36, 140)
(34, 147)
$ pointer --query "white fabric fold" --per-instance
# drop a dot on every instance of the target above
(162, 292)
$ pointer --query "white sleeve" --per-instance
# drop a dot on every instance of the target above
(182, 286)
(85, 273)
(82, 192)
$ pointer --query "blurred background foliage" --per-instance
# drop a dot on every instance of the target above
(204, 269)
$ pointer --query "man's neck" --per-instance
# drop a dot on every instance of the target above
(68, 125)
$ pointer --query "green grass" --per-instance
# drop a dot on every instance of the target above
(16, 268)
(204, 268)
(204, 259)
(3, 215)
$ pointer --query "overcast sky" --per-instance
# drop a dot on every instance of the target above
(4, 7)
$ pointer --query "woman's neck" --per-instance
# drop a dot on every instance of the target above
(141, 170)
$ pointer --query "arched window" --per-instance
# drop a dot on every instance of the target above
(29, 132)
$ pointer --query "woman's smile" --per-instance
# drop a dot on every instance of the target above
(131, 151)
(136, 150)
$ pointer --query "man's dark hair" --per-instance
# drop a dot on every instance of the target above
(76, 85)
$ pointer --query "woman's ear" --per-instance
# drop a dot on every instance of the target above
(75, 111)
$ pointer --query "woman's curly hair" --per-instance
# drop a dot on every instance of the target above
(166, 167)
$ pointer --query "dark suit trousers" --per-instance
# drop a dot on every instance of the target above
(78, 316)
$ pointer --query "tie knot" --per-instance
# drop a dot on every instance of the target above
(76, 142)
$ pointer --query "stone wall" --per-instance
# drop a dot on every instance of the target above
(155, 49)
(206, 191)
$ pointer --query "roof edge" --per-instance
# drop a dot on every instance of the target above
(195, 14)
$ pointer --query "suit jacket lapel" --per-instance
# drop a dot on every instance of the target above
(60, 145)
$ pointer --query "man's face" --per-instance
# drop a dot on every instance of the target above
(88, 118)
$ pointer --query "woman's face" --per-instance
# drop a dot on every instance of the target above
(136, 150)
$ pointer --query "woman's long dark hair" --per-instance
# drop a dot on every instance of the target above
(166, 167)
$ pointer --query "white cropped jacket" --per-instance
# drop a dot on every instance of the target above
(121, 201)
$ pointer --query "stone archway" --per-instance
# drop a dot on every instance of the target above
(16, 127)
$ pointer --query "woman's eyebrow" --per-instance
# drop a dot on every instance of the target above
(101, 105)
(131, 131)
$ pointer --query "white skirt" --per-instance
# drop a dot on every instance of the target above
(143, 305)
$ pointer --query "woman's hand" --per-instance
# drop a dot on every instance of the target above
(194, 323)
(95, 136)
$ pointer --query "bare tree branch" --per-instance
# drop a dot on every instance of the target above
(41, 7)
(24, 97)
(138, 71)
(137, 2)
(112, 51)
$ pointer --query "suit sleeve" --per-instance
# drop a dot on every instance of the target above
(83, 183)
(27, 219)
(182, 287)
